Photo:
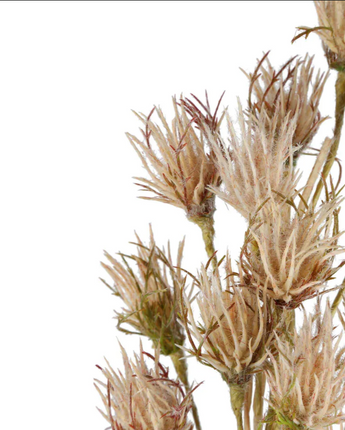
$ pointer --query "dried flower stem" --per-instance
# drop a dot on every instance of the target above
(339, 119)
(248, 404)
(180, 364)
(206, 224)
(338, 298)
(237, 394)
(258, 404)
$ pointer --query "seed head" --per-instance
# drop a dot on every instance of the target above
(292, 256)
(257, 162)
(306, 379)
(177, 161)
(232, 330)
(289, 91)
(150, 292)
(143, 398)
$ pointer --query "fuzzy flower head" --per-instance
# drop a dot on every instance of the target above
(256, 163)
(289, 91)
(150, 292)
(143, 398)
(331, 16)
(306, 379)
(176, 159)
(230, 334)
(292, 256)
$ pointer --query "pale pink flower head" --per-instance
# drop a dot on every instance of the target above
(306, 376)
(178, 161)
(292, 90)
(143, 398)
(149, 283)
(289, 253)
(256, 162)
(231, 332)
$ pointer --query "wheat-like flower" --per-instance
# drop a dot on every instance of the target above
(176, 159)
(232, 329)
(307, 377)
(292, 256)
(257, 162)
(288, 91)
(143, 398)
(150, 292)
(331, 16)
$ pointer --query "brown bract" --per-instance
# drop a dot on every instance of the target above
(288, 91)
(331, 16)
(256, 163)
(177, 161)
(149, 285)
(230, 335)
(291, 256)
(306, 377)
(143, 398)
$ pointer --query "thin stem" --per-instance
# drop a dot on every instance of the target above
(237, 393)
(339, 119)
(180, 364)
(248, 404)
(338, 298)
(206, 224)
(258, 406)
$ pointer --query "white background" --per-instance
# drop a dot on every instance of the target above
(70, 73)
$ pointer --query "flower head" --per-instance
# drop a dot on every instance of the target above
(292, 256)
(151, 293)
(258, 162)
(232, 331)
(331, 16)
(289, 91)
(143, 398)
(306, 379)
(177, 161)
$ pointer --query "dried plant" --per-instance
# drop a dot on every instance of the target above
(292, 257)
(306, 377)
(257, 162)
(150, 293)
(242, 324)
(178, 163)
(232, 329)
(143, 398)
(288, 91)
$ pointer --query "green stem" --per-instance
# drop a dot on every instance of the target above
(339, 119)
(237, 393)
(258, 405)
(180, 364)
(206, 224)
(338, 298)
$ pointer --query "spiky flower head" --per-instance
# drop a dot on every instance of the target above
(176, 159)
(288, 91)
(307, 376)
(257, 162)
(331, 16)
(231, 333)
(143, 398)
(292, 256)
(150, 292)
